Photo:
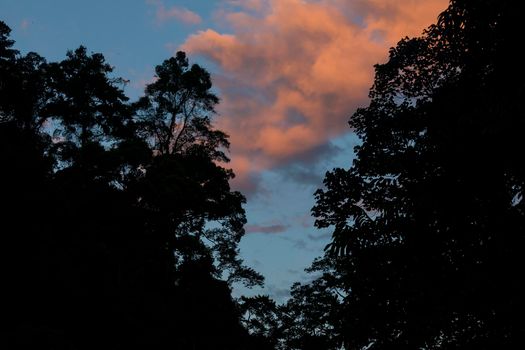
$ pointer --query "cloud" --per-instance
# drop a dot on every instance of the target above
(291, 72)
(181, 14)
(302, 175)
(307, 168)
(320, 236)
(278, 228)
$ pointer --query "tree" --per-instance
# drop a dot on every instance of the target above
(23, 185)
(430, 215)
(7, 59)
(261, 317)
(108, 234)
(184, 181)
(87, 102)
(175, 113)
(311, 318)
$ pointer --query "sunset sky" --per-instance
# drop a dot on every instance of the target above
(289, 73)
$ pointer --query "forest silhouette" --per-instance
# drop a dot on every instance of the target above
(120, 230)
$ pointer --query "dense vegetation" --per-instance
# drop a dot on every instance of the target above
(119, 226)
(429, 222)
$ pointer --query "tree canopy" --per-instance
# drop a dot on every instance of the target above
(430, 215)
(119, 226)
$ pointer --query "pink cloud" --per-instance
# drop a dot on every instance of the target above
(278, 228)
(293, 71)
(181, 14)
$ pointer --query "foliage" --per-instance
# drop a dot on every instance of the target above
(430, 215)
(175, 113)
(309, 319)
(116, 226)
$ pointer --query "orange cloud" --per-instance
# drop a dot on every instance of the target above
(182, 14)
(293, 71)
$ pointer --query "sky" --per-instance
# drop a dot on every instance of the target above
(289, 73)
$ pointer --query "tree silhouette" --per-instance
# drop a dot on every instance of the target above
(430, 215)
(175, 113)
(116, 231)
(174, 119)
(86, 102)
(311, 318)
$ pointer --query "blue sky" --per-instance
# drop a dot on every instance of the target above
(290, 73)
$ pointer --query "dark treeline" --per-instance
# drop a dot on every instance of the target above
(119, 228)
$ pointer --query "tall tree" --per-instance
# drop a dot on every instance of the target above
(7, 60)
(175, 113)
(430, 215)
(184, 180)
(108, 236)
(311, 318)
(88, 102)
(23, 186)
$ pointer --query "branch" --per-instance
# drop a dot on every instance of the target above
(186, 118)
